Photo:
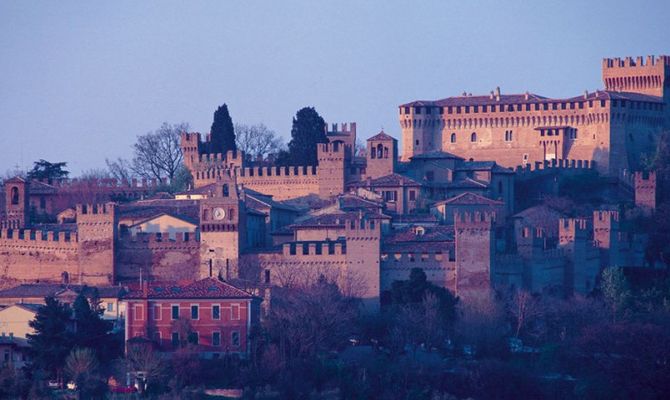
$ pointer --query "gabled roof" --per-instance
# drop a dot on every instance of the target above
(349, 202)
(38, 187)
(337, 219)
(208, 288)
(478, 100)
(381, 136)
(173, 215)
(266, 200)
(469, 198)
(16, 179)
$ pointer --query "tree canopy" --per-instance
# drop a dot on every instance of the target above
(45, 170)
(256, 141)
(308, 130)
(222, 133)
(53, 339)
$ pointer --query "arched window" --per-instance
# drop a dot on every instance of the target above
(231, 213)
(15, 195)
(473, 137)
(373, 152)
(205, 215)
(386, 152)
(453, 138)
(380, 150)
(226, 190)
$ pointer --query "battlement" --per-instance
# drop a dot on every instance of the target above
(335, 147)
(18, 236)
(645, 178)
(573, 224)
(320, 248)
(95, 209)
(638, 62)
(342, 128)
(106, 183)
(294, 170)
(476, 218)
(605, 216)
(555, 166)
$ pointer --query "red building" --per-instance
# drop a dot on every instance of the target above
(214, 315)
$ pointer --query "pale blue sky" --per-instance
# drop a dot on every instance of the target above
(80, 80)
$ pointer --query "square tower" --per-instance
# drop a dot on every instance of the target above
(382, 154)
(222, 229)
(17, 193)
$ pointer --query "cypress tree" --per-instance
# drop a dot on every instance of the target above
(308, 130)
(222, 133)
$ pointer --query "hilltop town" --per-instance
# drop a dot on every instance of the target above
(485, 198)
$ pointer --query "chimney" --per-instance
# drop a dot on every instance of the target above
(586, 94)
(526, 95)
(491, 95)
(497, 93)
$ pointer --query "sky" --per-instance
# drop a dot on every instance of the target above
(79, 81)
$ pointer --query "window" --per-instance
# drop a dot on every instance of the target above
(508, 136)
(390, 195)
(43, 202)
(373, 153)
(417, 142)
(235, 312)
(453, 138)
(110, 307)
(412, 195)
(193, 337)
(157, 312)
(267, 276)
(372, 226)
(406, 110)
(216, 338)
(138, 312)
(216, 311)
(417, 110)
(226, 190)
(175, 312)
(175, 339)
(15, 195)
(450, 110)
(380, 150)
(195, 312)
(235, 338)
(473, 137)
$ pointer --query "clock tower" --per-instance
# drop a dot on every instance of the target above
(222, 227)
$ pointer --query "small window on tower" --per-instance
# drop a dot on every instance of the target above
(226, 191)
(15, 195)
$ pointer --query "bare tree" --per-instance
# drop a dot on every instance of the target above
(157, 154)
(120, 169)
(257, 140)
(525, 308)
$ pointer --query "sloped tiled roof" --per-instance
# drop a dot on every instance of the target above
(38, 187)
(337, 218)
(150, 208)
(433, 238)
(41, 290)
(184, 218)
(434, 155)
(389, 180)
(483, 166)
(381, 136)
(208, 288)
(468, 183)
(468, 198)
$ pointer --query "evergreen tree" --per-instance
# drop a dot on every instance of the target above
(222, 134)
(92, 331)
(308, 130)
(52, 340)
(416, 289)
(45, 170)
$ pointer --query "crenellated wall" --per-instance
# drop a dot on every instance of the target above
(155, 256)
(96, 229)
(31, 256)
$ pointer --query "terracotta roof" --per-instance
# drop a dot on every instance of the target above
(150, 208)
(529, 98)
(38, 187)
(468, 198)
(381, 136)
(389, 180)
(433, 238)
(351, 202)
(483, 166)
(208, 288)
(337, 218)
(436, 155)
(468, 183)
(258, 199)
(184, 218)
(41, 290)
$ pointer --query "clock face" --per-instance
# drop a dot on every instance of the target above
(219, 213)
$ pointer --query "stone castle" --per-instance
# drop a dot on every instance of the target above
(448, 205)
(611, 127)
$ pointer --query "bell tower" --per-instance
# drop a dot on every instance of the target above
(17, 193)
(222, 229)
